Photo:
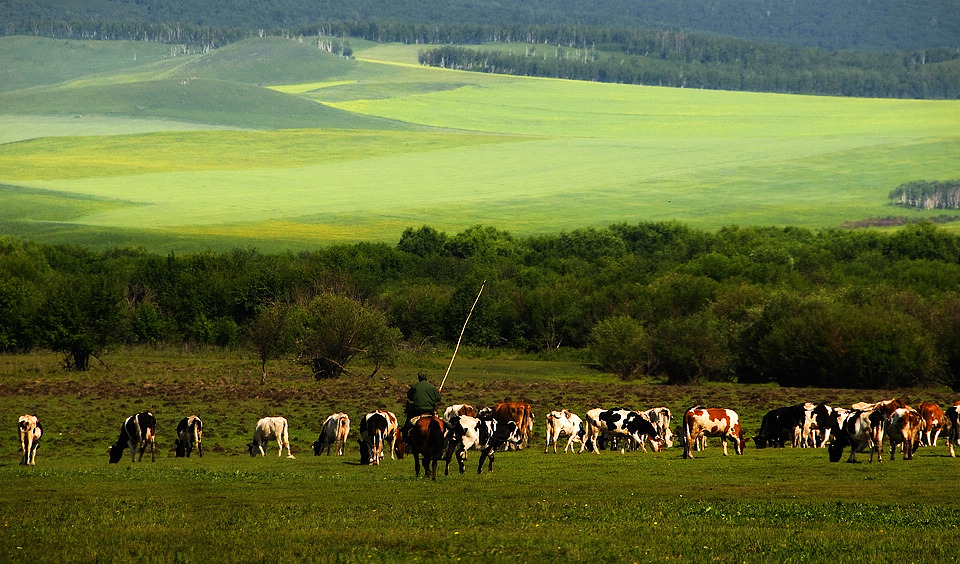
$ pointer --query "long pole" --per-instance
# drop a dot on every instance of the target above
(442, 382)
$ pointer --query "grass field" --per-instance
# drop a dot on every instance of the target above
(768, 505)
(124, 151)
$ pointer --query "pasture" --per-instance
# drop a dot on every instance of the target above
(768, 505)
(275, 144)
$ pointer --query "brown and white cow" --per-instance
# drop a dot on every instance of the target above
(563, 423)
(377, 428)
(137, 432)
(30, 433)
(904, 427)
(270, 429)
(458, 409)
(723, 423)
(953, 416)
(858, 429)
(189, 436)
(334, 433)
(933, 422)
(518, 412)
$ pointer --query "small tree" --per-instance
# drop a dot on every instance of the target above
(621, 345)
(338, 330)
(81, 318)
(271, 333)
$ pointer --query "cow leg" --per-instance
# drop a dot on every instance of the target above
(724, 441)
(416, 464)
(433, 469)
(33, 453)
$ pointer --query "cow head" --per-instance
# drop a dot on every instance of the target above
(116, 452)
(317, 447)
(399, 445)
(364, 452)
(253, 448)
(760, 441)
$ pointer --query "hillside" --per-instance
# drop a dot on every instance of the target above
(831, 24)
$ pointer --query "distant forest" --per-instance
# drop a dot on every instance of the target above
(648, 56)
(827, 24)
(859, 309)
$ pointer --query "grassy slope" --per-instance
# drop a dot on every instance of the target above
(534, 507)
(526, 155)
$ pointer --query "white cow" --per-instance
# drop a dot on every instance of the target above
(30, 433)
(564, 424)
(334, 433)
(661, 418)
(270, 429)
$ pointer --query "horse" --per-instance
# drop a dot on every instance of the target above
(424, 440)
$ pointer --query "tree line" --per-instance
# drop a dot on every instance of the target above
(837, 308)
(928, 195)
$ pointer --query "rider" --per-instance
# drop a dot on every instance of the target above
(422, 399)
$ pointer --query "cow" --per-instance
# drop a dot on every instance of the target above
(458, 409)
(424, 440)
(953, 416)
(137, 431)
(189, 435)
(858, 429)
(334, 433)
(819, 423)
(520, 413)
(30, 433)
(661, 417)
(376, 428)
(933, 421)
(782, 424)
(485, 435)
(563, 424)
(904, 427)
(723, 423)
(618, 422)
(270, 429)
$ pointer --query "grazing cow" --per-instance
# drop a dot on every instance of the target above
(933, 421)
(189, 435)
(563, 424)
(376, 428)
(661, 417)
(521, 414)
(904, 427)
(723, 423)
(485, 435)
(424, 440)
(30, 433)
(784, 423)
(618, 422)
(819, 423)
(270, 429)
(137, 432)
(334, 433)
(953, 416)
(859, 430)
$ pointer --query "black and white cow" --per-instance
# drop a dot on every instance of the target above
(377, 428)
(953, 438)
(819, 424)
(859, 430)
(564, 423)
(334, 434)
(485, 435)
(270, 429)
(30, 433)
(618, 422)
(137, 432)
(661, 417)
(189, 436)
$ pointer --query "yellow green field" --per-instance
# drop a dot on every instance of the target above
(197, 150)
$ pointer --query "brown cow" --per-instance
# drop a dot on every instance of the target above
(724, 423)
(518, 412)
(933, 421)
(904, 427)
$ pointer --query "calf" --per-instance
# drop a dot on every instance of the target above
(376, 428)
(859, 430)
(953, 416)
(485, 435)
(618, 422)
(933, 421)
(904, 427)
(723, 423)
(782, 424)
(137, 431)
(189, 435)
(30, 433)
(270, 429)
(518, 412)
(563, 424)
(334, 433)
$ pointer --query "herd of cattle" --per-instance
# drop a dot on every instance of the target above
(510, 425)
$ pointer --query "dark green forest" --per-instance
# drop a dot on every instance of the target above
(827, 24)
(838, 308)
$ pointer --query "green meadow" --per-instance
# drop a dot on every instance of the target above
(771, 505)
(277, 144)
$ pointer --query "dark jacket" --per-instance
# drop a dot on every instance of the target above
(422, 397)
